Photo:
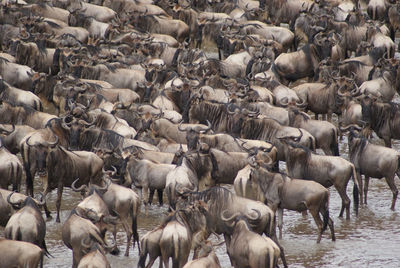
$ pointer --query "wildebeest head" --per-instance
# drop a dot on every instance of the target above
(323, 44)
(237, 219)
(28, 202)
(193, 135)
(42, 150)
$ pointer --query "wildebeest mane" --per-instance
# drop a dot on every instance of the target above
(381, 114)
(259, 129)
(213, 112)
(41, 45)
(356, 148)
(101, 138)
(218, 198)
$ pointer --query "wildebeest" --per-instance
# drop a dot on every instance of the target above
(75, 164)
(281, 192)
(383, 118)
(220, 199)
(270, 130)
(260, 251)
(27, 224)
(206, 257)
(326, 170)
(126, 203)
(303, 63)
(325, 133)
(178, 233)
(192, 172)
(150, 245)
(373, 161)
(77, 229)
(23, 115)
(321, 98)
(11, 170)
(19, 254)
(147, 175)
(95, 257)
(19, 97)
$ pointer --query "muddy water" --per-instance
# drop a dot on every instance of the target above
(371, 240)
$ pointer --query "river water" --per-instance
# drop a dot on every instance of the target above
(370, 240)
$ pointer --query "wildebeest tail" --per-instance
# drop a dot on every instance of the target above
(46, 252)
(356, 195)
(177, 253)
(27, 167)
(134, 227)
(398, 163)
(335, 144)
(266, 261)
(142, 254)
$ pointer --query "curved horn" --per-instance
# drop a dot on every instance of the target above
(87, 246)
(227, 219)
(54, 143)
(106, 185)
(17, 204)
(228, 109)
(297, 139)
(93, 215)
(8, 132)
(64, 124)
(284, 104)
(185, 129)
(346, 128)
(27, 141)
(83, 187)
(302, 104)
(205, 130)
(254, 218)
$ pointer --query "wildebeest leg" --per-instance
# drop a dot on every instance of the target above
(330, 224)
(151, 196)
(128, 232)
(316, 116)
(360, 184)
(146, 199)
(115, 250)
(315, 213)
(160, 197)
(392, 185)
(59, 196)
(345, 201)
(366, 189)
(280, 221)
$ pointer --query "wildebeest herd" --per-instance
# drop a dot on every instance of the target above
(120, 99)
